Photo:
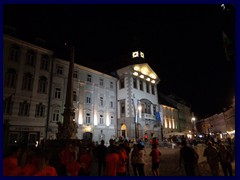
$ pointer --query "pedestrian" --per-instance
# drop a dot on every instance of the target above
(112, 160)
(140, 160)
(226, 159)
(123, 158)
(155, 153)
(101, 155)
(189, 158)
(128, 150)
(212, 158)
(85, 160)
(65, 156)
(10, 163)
(73, 166)
(43, 168)
(134, 158)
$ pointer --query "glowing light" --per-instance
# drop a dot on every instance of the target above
(135, 73)
(88, 129)
(144, 70)
(153, 81)
(107, 120)
(152, 76)
(80, 118)
(223, 6)
(135, 54)
(141, 76)
(148, 79)
(95, 118)
(136, 68)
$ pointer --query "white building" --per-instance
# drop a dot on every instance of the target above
(94, 100)
(137, 100)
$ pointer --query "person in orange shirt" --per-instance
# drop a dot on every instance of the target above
(73, 166)
(65, 156)
(10, 163)
(123, 158)
(30, 168)
(112, 161)
(43, 169)
(85, 160)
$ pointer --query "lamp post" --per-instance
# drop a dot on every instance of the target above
(193, 125)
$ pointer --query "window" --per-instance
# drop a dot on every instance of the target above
(24, 108)
(111, 120)
(57, 93)
(88, 118)
(75, 74)
(56, 115)
(40, 110)
(88, 98)
(141, 85)
(14, 53)
(44, 62)
(101, 82)
(122, 105)
(89, 78)
(27, 81)
(154, 109)
(121, 83)
(101, 119)
(32, 138)
(135, 83)
(10, 78)
(59, 70)
(13, 138)
(111, 85)
(30, 58)
(74, 96)
(101, 101)
(111, 104)
(8, 105)
(42, 85)
(153, 90)
(147, 87)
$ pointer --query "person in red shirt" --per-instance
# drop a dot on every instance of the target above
(73, 166)
(10, 163)
(43, 169)
(112, 161)
(65, 156)
(123, 158)
(155, 153)
(85, 160)
(30, 168)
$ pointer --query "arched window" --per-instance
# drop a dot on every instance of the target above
(42, 85)
(27, 81)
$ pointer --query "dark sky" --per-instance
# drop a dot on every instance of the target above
(182, 43)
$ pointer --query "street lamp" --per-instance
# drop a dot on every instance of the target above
(193, 124)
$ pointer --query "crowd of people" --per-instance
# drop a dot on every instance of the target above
(76, 159)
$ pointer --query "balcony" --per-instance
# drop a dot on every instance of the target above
(148, 116)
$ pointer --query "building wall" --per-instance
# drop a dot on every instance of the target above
(93, 107)
(25, 124)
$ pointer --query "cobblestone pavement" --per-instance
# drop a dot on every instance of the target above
(169, 164)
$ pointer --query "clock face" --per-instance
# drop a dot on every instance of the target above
(136, 54)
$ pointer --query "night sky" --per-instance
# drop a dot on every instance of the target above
(183, 44)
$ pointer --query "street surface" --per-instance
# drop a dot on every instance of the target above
(169, 163)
